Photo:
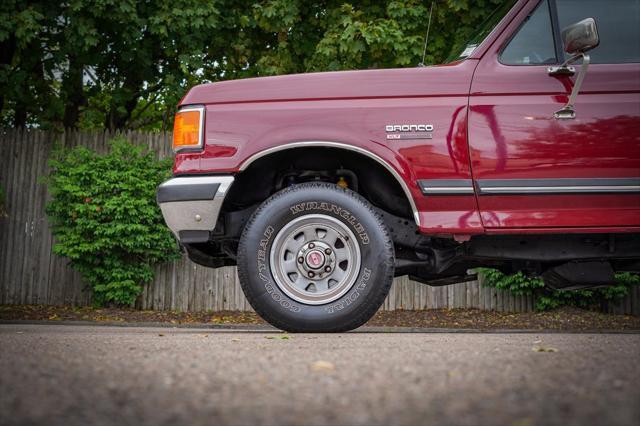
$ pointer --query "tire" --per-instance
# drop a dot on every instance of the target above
(343, 259)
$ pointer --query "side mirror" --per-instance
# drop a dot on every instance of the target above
(578, 39)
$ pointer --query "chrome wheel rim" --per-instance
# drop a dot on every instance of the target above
(315, 259)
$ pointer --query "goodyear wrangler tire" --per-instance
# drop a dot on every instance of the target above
(315, 258)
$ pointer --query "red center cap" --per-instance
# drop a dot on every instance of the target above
(315, 259)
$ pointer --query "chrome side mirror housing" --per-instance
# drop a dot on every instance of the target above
(578, 39)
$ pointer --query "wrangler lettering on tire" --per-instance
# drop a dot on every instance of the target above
(315, 258)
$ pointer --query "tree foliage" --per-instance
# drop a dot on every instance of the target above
(124, 64)
(105, 218)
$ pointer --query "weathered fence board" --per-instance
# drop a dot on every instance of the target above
(31, 273)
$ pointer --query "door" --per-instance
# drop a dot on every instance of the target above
(532, 170)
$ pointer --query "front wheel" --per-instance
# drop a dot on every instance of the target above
(315, 258)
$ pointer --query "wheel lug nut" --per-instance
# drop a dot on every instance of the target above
(327, 268)
(311, 274)
(301, 259)
(327, 251)
(311, 245)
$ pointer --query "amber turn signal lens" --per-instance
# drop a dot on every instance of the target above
(186, 129)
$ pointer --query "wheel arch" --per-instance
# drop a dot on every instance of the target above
(391, 171)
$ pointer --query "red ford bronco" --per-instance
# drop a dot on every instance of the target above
(522, 152)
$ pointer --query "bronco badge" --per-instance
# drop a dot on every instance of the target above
(409, 131)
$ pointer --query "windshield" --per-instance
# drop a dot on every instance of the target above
(463, 50)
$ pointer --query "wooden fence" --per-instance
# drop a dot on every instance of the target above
(30, 273)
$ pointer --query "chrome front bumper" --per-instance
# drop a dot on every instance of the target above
(190, 205)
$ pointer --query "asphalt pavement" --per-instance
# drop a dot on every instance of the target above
(89, 375)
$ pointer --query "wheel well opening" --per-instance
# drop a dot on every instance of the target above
(276, 171)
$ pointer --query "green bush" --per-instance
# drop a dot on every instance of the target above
(105, 218)
(547, 298)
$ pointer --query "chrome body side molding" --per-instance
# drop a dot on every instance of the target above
(558, 186)
(529, 186)
(446, 186)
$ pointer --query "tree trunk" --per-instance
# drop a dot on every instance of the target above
(73, 87)
(20, 115)
(7, 50)
(117, 119)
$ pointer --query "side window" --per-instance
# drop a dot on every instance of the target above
(618, 23)
(533, 42)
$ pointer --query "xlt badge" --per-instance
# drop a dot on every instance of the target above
(409, 131)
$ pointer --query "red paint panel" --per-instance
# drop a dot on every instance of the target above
(513, 135)
(568, 210)
(187, 163)
(566, 230)
(351, 108)
(441, 80)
